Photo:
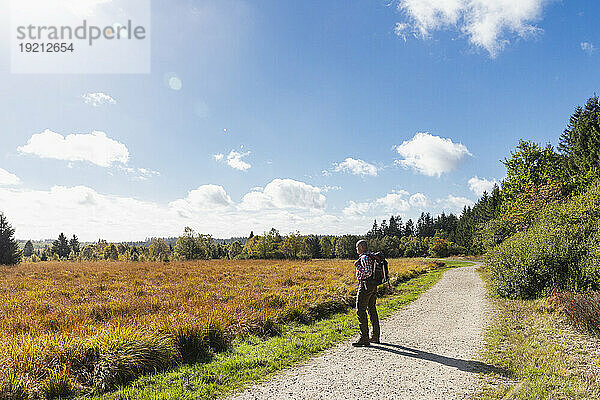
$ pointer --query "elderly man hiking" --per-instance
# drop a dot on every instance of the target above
(366, 296)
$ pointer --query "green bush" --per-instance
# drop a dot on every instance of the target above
(560, 251)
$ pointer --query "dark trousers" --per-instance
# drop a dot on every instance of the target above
(365, 300)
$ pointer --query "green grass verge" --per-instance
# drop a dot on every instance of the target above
(543, 357)
(255, 359)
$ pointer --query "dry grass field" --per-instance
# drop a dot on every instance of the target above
(66, 326)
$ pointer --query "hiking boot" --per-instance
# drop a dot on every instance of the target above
(374, 339)
(362, 343)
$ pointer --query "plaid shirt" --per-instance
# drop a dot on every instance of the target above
(364, 266)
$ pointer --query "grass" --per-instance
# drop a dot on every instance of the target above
(103, 324)
(253, 359)
(543, 356)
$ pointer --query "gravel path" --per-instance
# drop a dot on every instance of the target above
(428, 351)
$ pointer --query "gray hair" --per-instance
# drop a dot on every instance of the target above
(362, 243)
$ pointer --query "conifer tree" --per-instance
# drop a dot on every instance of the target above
(74, 244)
(28, 249)
(9, 249)
(60, 247)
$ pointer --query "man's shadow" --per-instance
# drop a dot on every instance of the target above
(463, 365)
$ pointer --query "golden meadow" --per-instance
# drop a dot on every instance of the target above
(68, 327)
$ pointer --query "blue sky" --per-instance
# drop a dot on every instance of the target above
(310, 116)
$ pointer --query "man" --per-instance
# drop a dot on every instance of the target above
(366, 296)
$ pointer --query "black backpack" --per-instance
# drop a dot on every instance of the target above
(380, 273)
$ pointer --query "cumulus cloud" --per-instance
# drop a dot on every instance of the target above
(328, 188)
(431, 155)
(234, 159)
(480, 185)
(140, 174)
(397, 202)
(488, 24)
(394, 202)
(8, 179)
(418, 200)
(205, 198)
(285, 193)
(587, 47)
(41, 214)
(356, 167)
(293, 206)
(98, 99)
(454, 204)
(94, 147)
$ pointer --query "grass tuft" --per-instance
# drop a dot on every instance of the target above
(58, 384)
(12, 387)
(126, 354)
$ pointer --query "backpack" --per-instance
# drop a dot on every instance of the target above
(380, 273)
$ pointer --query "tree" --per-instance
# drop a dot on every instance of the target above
(327, 247)
(159, 249)
(291, 246)
(311, 248)
(28, 249)
(74, 244)
(531, 165)
(60, 247)
(580, 141)
(409, 228)
(345, 246)
(111, 252)
(9, 249)
(186, 247)
(235, 249)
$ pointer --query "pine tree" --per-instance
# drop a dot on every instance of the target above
(409, 228)
(9, 249)
(28, 249)
(74, 244)
(60, 247)
(580, 141)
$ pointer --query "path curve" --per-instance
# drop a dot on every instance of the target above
(428, 351)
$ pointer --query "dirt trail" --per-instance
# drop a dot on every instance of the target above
(428, 351)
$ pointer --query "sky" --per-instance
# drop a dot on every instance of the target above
(307, 116)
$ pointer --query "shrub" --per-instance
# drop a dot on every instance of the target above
(559, 252)
(582, 310)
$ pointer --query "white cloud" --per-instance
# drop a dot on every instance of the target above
(39, 214)
(431, 155)
(480, 185)
(205, 198)
(356, 167)
(285, 193)
(8, 179)
(98, 99)
(454, 204)
(139, 174)
(392, 203)
(587, 47)
(208, 209)
(418, 200)
(94, 147)
(328, 188)
(488, 24)
(234, 159)
(354, 209)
